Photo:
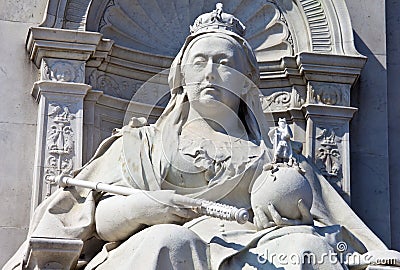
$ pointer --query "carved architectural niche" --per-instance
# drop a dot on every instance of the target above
(169, 20)
(305, 50)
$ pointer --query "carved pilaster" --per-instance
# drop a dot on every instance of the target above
(327, 112)
(59, 133)
(327, 143)
(61, 56)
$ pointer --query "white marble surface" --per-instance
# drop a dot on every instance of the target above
(377, 95)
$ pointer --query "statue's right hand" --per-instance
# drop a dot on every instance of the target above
(162, 207)
(118, 217)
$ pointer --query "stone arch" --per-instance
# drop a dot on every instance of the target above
(321, 26)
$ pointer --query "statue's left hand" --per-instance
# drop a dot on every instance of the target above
(261, 220)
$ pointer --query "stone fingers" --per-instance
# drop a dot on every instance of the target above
(306, 216)
(185, 213)
(262, 219)
(276, 217)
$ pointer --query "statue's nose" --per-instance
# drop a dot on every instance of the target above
(210, 72)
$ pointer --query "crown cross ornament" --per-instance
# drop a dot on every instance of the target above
(217, 19)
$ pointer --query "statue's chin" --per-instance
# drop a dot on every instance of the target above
(209, 101)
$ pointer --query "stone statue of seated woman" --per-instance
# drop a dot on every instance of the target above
(210, 143)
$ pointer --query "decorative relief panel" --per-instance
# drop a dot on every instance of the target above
(328, 155)
(59, 143)
(329, 93)
(299, 96)
(284, 100)
(153, 92)
(114, 85)
(280, 100)
(62, 70)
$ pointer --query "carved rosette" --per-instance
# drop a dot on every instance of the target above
(59, 143)
(60, 70)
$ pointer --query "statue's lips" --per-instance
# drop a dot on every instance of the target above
(210, 89)
(210, 93)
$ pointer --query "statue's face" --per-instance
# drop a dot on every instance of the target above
(213, 72)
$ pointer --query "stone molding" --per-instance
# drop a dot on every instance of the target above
(321, 37)
(60, 44)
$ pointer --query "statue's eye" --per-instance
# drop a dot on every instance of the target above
(199, 61)
(224, 62)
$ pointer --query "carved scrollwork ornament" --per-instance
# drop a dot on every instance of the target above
(328, 155)
(277, 101)
(113, 85)
(60, 143)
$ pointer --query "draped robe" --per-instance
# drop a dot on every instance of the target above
(128, 159)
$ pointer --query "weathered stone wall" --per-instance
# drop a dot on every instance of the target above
(18, 113)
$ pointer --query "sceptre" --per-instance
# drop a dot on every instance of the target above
(208, 208)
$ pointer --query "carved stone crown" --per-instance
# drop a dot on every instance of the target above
(218, 20)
